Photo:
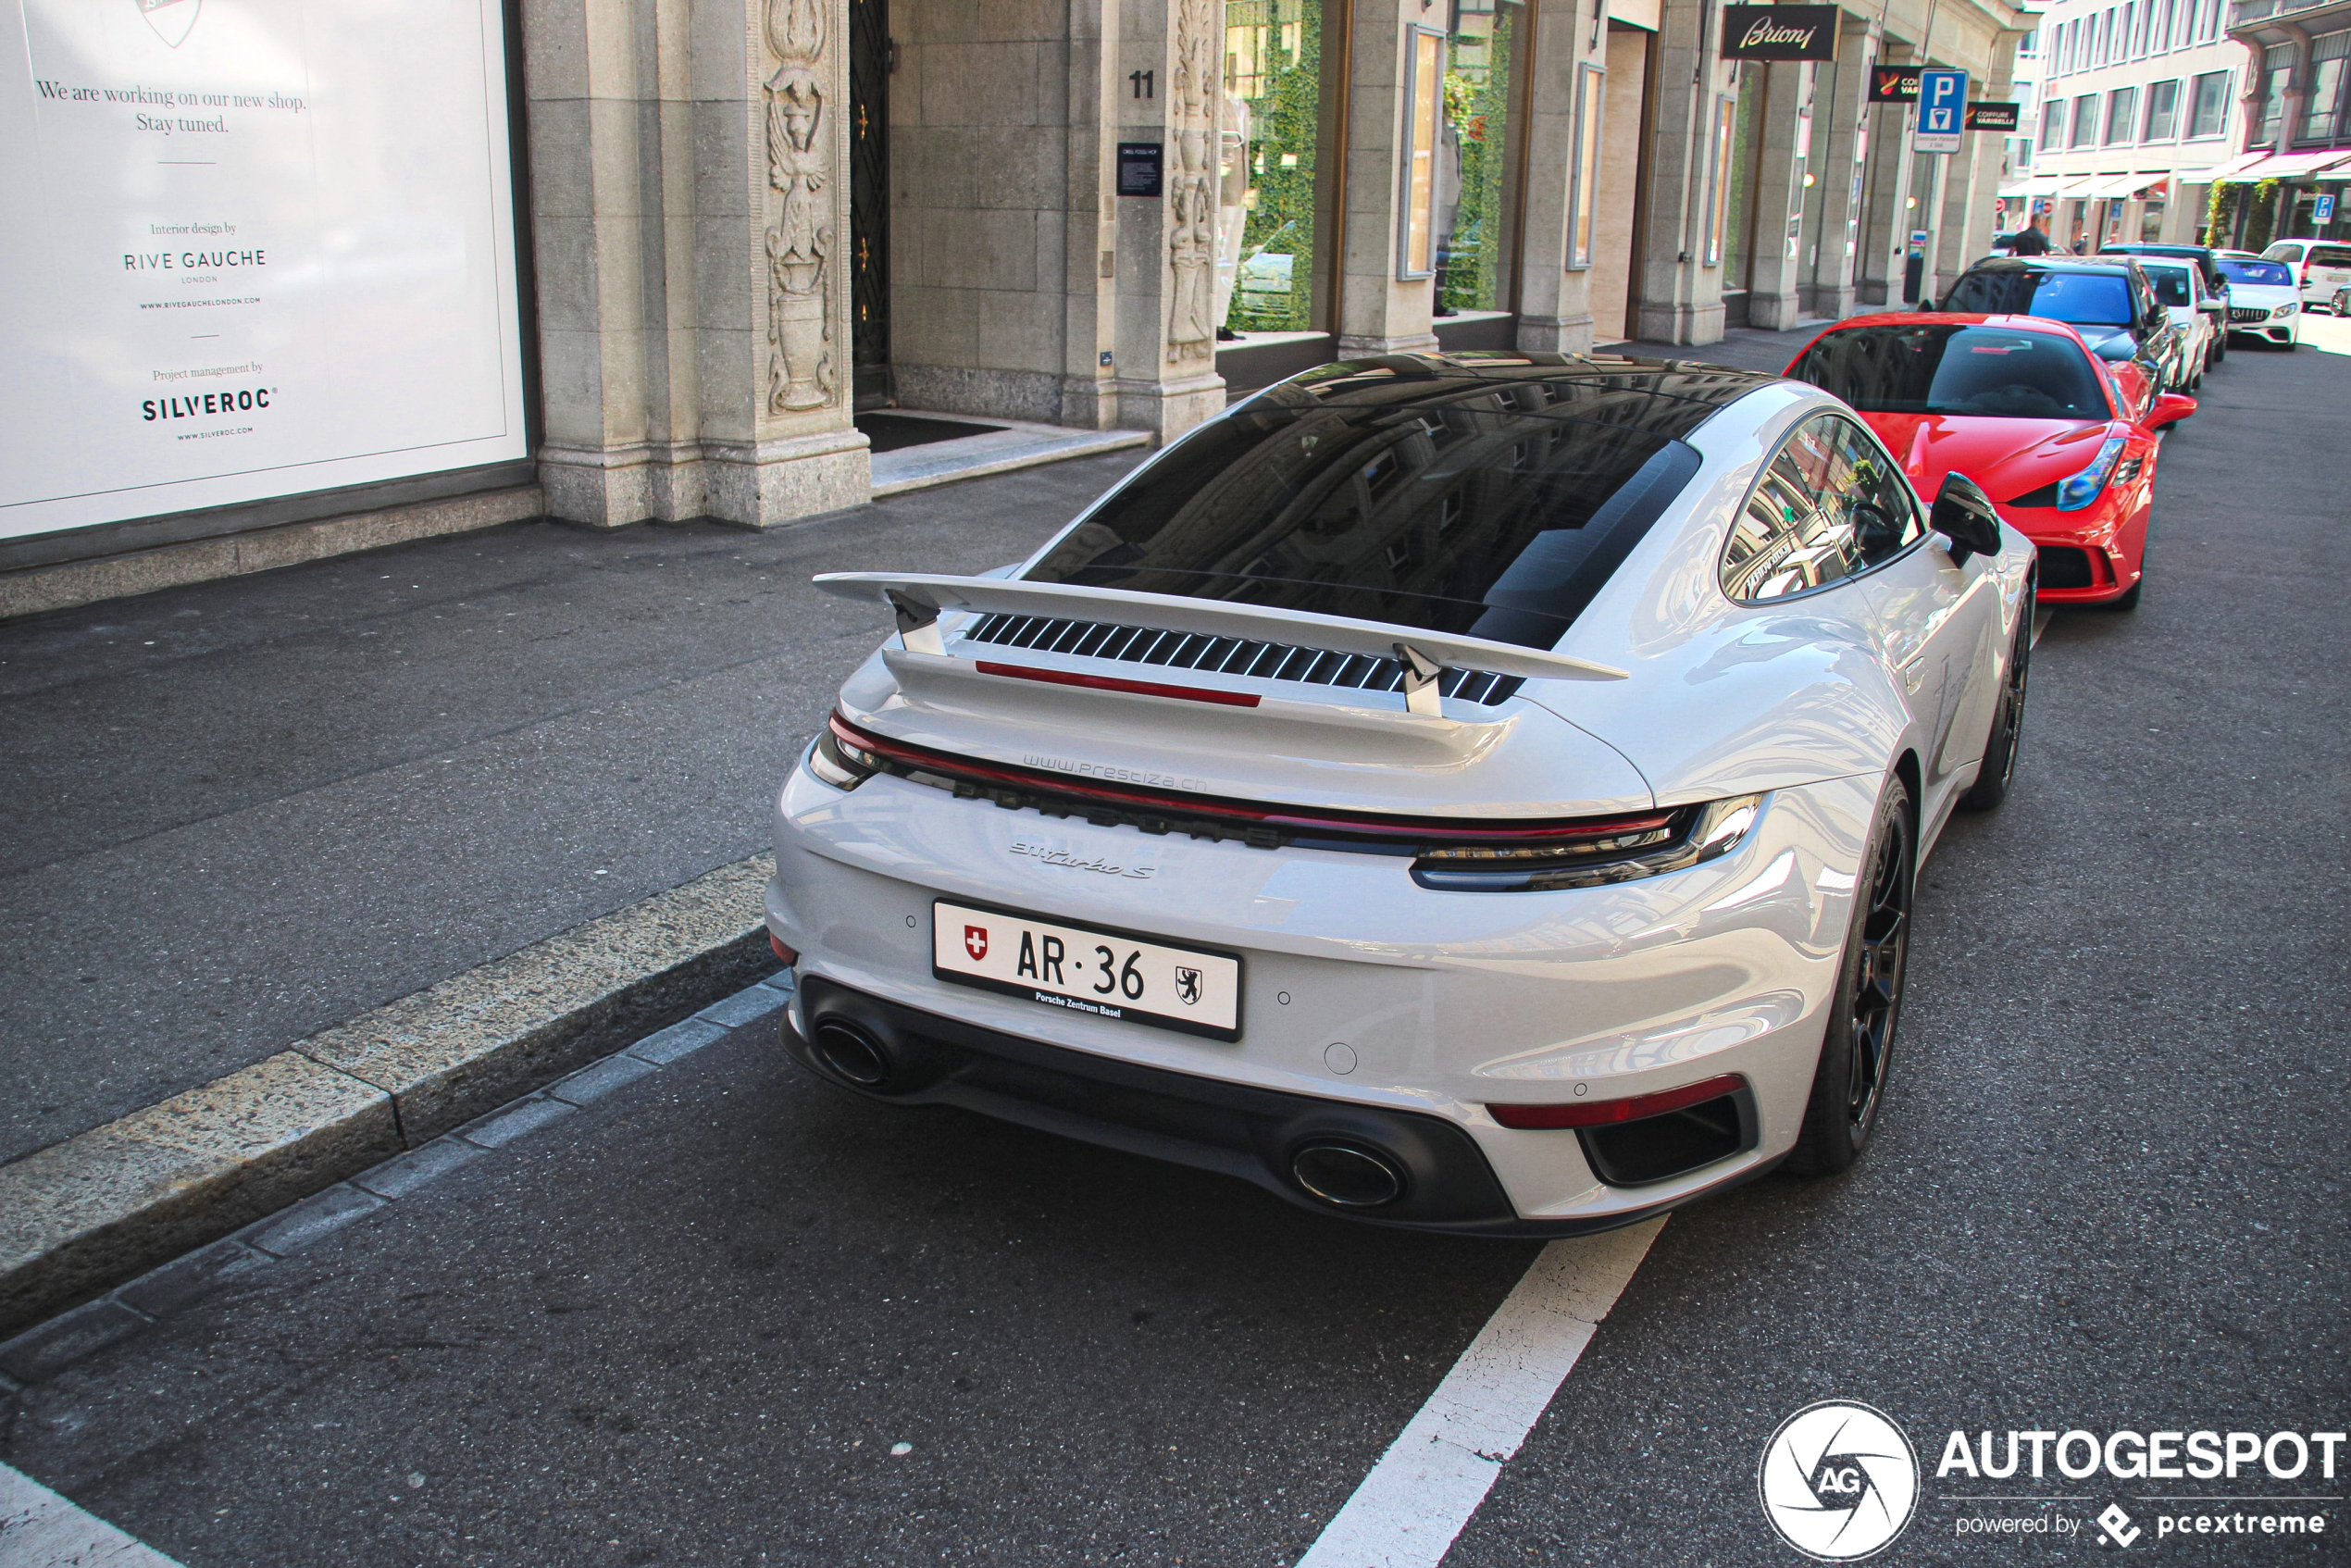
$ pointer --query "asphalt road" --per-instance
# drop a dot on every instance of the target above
(230, 819)
(688, 1325)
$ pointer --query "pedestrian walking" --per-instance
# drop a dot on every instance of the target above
(2030, 240)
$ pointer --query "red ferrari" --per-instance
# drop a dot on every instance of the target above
(2065, 448)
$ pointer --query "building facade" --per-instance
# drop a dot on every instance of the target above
(739, 226)
(2137, 113)
(2296, 163)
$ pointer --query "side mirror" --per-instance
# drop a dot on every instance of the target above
(2170, 409)
(1965, 515)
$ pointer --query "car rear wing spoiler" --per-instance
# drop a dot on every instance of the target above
(918, 599)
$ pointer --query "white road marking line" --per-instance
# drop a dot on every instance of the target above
(40, 1529)
(1431, 1480)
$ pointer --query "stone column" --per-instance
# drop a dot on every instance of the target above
(1165, 353)
(1376, 313)
(1842, 122)
(1884, 232)
(1555, 304)
(1969, 177)
(688, 223)
(777, 396)
(1785, 132)
(597, 246)
(1089, 327)
(1674, 300)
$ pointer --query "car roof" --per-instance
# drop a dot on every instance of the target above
(2042, 263)
(1667, 397)
(2149, 247)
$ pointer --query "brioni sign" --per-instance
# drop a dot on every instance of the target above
(1780, 33)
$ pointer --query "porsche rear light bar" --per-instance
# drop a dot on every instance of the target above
(1607, 1113)
(1449, 853)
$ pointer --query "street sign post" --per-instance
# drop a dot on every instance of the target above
(2323, 210)
(1941, 110)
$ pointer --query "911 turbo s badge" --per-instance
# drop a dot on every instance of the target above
(1063, 858)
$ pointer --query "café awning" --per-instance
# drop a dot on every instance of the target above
(2282, 166)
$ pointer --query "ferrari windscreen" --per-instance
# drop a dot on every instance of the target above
(1457, 514)
(1945, 369)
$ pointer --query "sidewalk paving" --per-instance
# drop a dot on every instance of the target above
(244, 811)
(1742, 348)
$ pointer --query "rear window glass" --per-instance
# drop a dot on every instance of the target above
(1978, 371)
(1464, 514)
(2329, 255)
(2170, 284)
(2095, 299)
(2264, 274)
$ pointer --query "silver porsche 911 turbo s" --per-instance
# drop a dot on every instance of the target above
(1477, 793)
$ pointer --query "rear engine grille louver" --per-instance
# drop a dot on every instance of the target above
(1228, 656)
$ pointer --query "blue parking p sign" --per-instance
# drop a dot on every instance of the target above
(1941, 110)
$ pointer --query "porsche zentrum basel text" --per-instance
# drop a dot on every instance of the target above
(1474, 792)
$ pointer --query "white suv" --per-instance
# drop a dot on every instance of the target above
(2321, 267)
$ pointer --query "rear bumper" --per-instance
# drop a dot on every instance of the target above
(1238, 1130)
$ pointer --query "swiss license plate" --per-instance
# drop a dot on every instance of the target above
(1104, 973)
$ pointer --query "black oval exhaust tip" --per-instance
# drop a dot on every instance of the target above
(1347, 1177)
(852, 1053)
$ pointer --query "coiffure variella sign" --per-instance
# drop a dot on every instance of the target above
(1779, 33)
(260, 247)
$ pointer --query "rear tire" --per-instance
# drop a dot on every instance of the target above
(1991, 785)
(1848, 1086)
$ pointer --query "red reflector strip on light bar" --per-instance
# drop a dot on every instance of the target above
(1112, 683)
(1607, 1113)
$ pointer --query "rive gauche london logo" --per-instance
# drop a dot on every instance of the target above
(172, 20)
(1838, 1481)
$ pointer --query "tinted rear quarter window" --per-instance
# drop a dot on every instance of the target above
(2331, 256)
(1469, 508)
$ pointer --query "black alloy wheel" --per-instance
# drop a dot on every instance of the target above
(1991, 785)
(1848, 1086)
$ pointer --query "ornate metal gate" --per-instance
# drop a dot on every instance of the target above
(871, 58)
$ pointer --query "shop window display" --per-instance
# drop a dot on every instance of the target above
(1273, 115)
(1477, 162)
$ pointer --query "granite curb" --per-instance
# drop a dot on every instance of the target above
(82, 1217)
(48, 1348)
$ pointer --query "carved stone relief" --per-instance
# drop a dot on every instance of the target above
(800, 369)
(1192, 191)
